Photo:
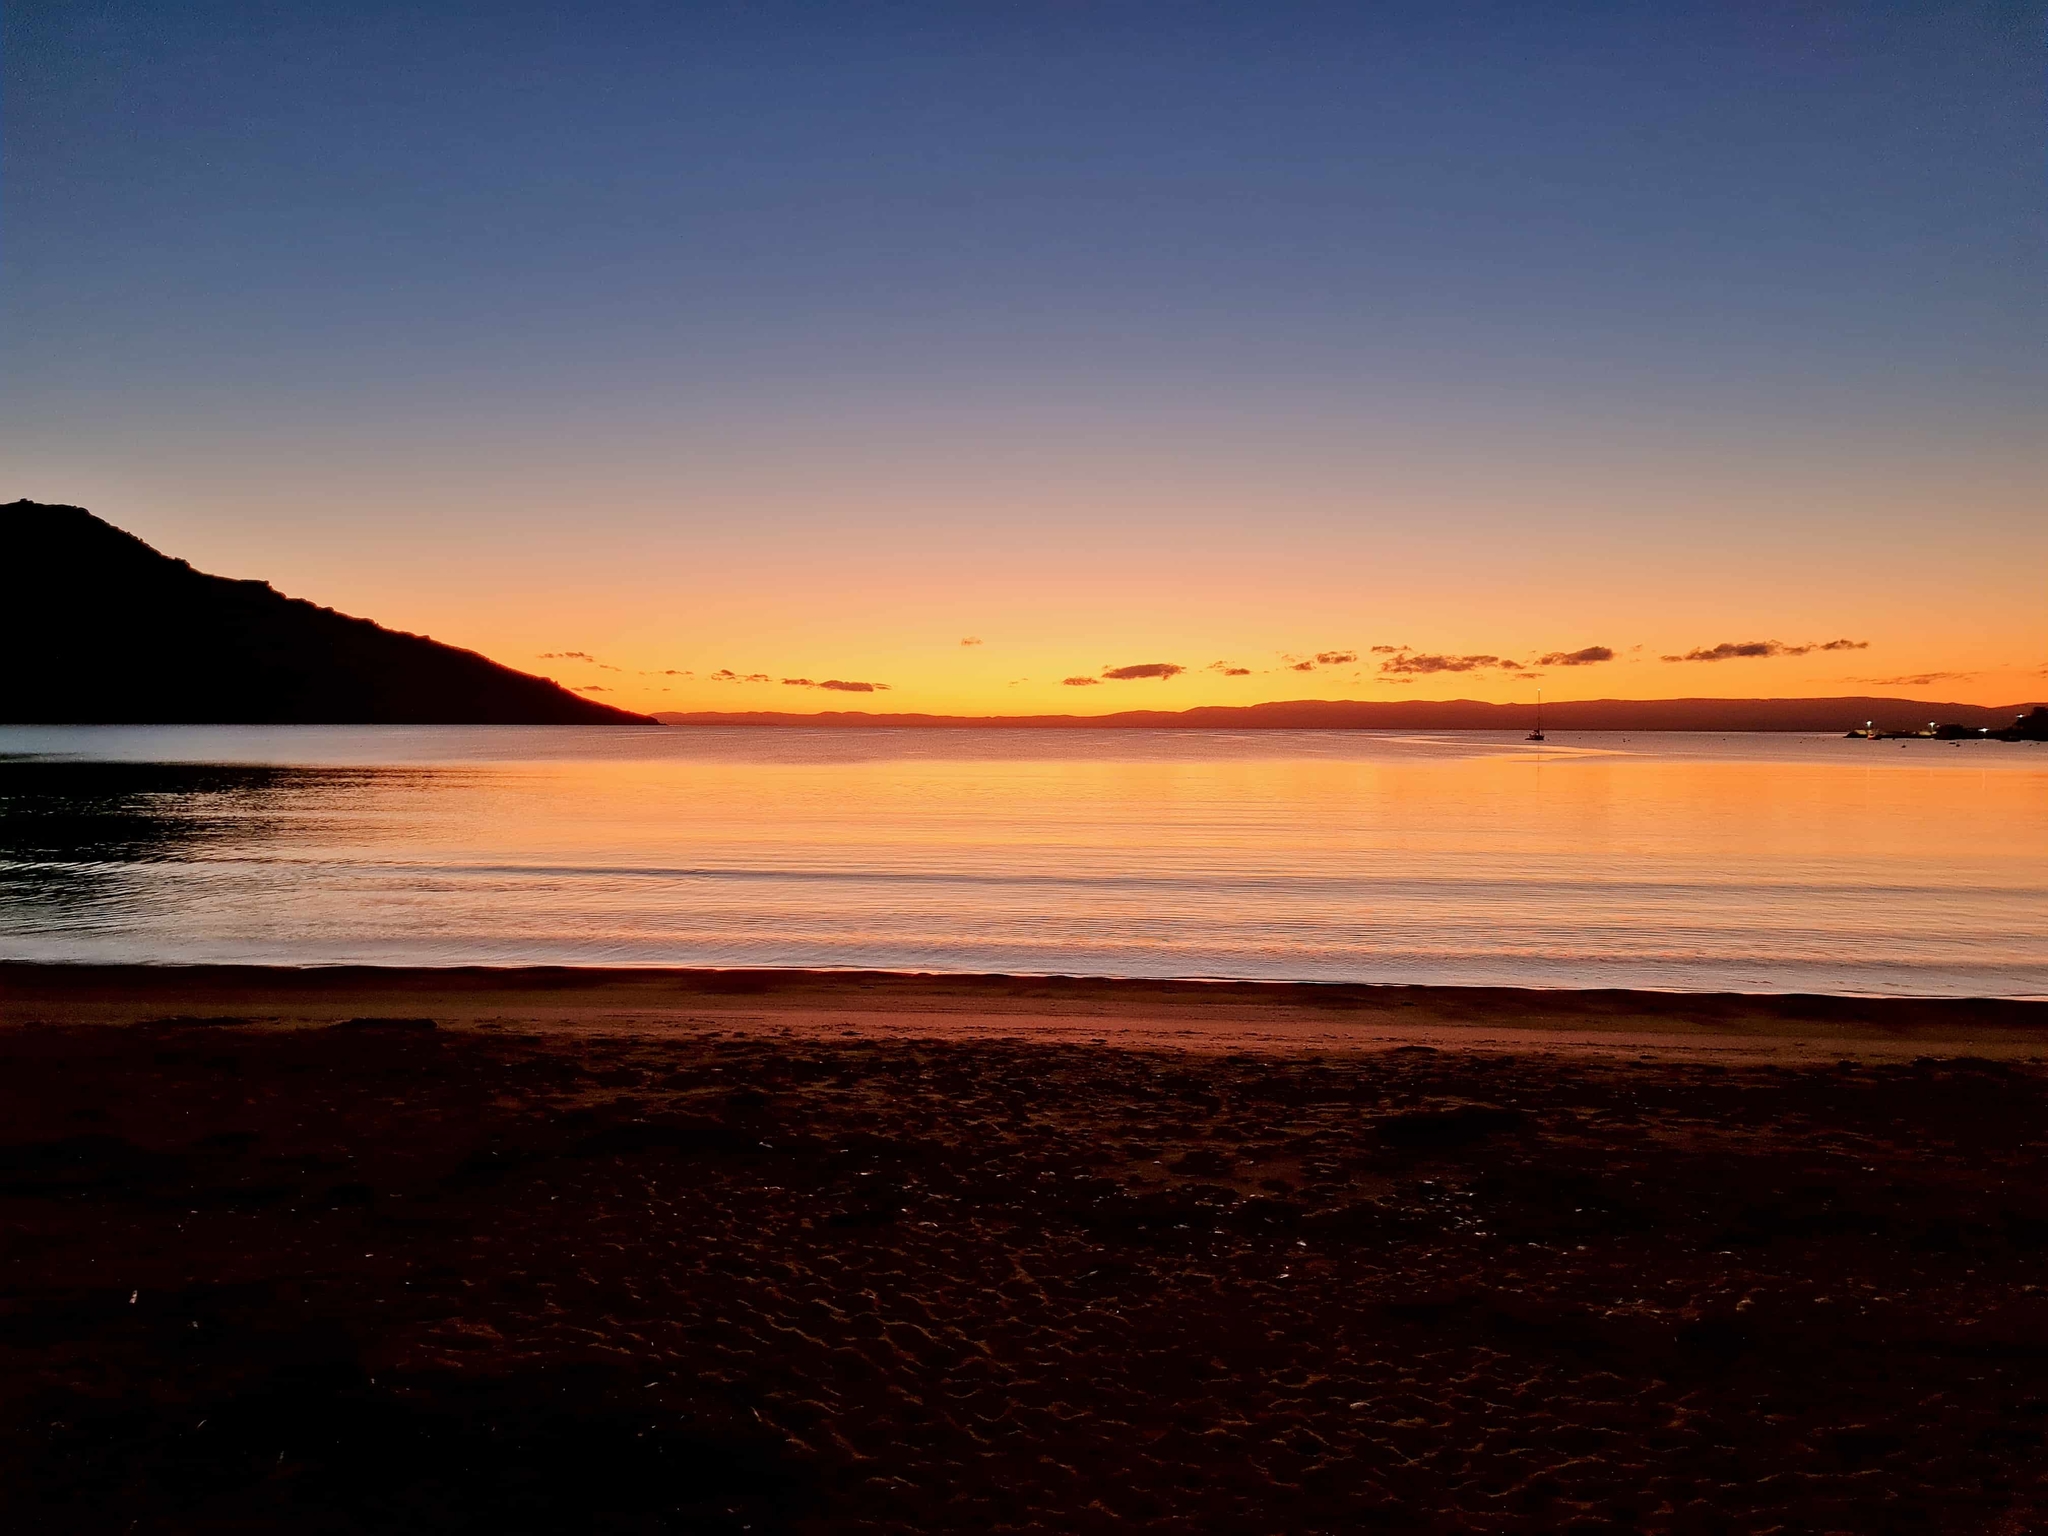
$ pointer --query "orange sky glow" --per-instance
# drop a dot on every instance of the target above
(689, 346)
(707, 592)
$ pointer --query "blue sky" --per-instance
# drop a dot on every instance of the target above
(283, 280)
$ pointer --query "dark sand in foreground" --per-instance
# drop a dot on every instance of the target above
(642, 1251)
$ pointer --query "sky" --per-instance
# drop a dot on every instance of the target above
(1060, 356)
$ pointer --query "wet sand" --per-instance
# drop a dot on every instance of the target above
(350, 1250)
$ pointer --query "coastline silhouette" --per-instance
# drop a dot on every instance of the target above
(1818, 714)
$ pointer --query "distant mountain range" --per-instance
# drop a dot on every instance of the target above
(1444, 715)
(99, 628)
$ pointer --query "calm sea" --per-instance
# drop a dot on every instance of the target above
(1750, 862)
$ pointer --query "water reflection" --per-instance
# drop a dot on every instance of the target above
(73, 833)
(1776, 864)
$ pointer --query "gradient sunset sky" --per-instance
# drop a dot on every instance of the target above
(985, 351)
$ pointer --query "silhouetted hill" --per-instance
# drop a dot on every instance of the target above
(101, 629)
(1443, 715)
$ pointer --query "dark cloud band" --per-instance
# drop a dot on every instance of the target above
(1744, 650)
(1411, 664)
(1159, 669)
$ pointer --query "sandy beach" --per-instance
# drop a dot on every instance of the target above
(359, 1250)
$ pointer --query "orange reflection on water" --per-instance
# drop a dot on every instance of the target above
(1779, 863)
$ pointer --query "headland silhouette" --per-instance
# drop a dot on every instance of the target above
(104, 629)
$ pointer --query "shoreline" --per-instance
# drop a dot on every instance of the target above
(1192, 1015)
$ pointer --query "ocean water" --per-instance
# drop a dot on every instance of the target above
(1692, 862)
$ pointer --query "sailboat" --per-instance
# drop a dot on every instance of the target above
(1537, 734)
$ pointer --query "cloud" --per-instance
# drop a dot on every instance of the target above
(836, 684)
(1079, 682)
(1728, 650)
(1734, 650)
(1159, 669)
(972, 640)
(592, 688)
(1227, 669)
(1321, 659)
(1918, 679)
(669, 672)
(1402, 661)
(582, 656)
(727, 675)
(1408, 663)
